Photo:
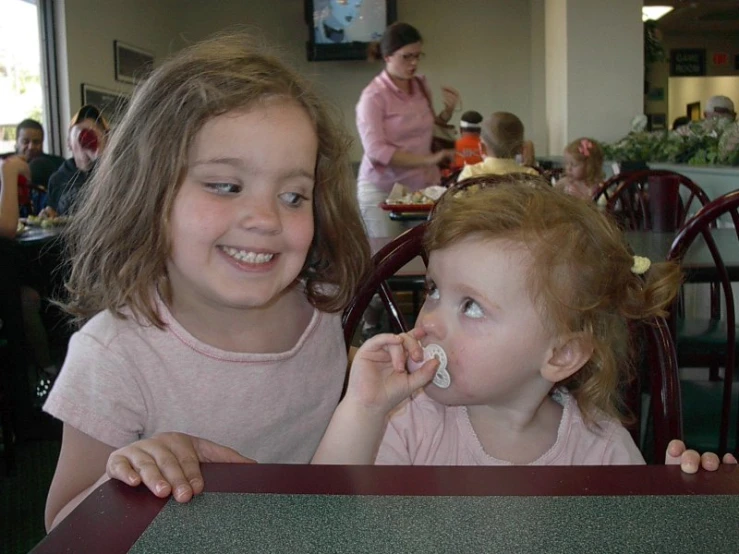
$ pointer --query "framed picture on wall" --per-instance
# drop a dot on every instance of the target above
(132, 64)
(112, 104)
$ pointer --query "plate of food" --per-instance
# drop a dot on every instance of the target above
(45, 222)
(405, 208)
(403, 200)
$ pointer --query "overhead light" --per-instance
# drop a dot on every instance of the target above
(654, 12)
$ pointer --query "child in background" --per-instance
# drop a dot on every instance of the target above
(534, 338)
(213, 252)
(583, 168)
(86, 138)
(467, 146)
(501, 137)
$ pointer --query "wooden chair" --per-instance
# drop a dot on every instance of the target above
(710, 406)
(627, 197)
(651, 338)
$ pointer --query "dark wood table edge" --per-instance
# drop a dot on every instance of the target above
(88, 527)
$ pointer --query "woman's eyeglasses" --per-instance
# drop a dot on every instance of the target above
(412, 57)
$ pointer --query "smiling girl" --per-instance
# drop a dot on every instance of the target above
(212, 253)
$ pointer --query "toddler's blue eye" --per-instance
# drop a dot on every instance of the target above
(472, 309)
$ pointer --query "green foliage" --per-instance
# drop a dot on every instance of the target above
(713, 141)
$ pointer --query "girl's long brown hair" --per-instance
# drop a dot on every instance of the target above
(119, 240)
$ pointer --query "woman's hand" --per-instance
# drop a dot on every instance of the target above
(169, 463)
(378, 380)
(451, 98)
(690, 461)
(441, 156)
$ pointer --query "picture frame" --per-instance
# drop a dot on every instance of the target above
(658, 121)
(132, 64)
(112, 104)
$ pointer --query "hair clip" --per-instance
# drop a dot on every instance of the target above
(641, 265)
(584, 148)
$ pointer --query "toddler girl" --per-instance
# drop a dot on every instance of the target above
(211, 255)
(583, 168)
(529, 295)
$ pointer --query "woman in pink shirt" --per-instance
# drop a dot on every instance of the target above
(396, 125)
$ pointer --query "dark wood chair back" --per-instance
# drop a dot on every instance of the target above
(628, 197)
(701, 226)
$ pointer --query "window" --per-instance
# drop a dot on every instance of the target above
(27, 71)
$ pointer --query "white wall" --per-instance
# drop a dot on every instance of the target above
(605, 67)
(483, 49)
(86, 30)
(555, 68)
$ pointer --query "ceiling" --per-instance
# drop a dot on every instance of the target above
(699, 17)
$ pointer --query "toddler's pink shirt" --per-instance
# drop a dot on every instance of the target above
(423, 432)
(122, 381)
(390, 119)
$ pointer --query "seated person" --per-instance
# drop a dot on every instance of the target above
(467, 146)
(720, 107)
(583, 168)
(86, 139)
(11, 170)
(680, 122)
(501, 137)
(29, 146)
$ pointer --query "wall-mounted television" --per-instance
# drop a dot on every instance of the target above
(343, 29)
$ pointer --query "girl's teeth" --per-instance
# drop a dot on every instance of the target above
(248, 257)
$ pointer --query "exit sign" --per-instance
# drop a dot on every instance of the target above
(720, 58)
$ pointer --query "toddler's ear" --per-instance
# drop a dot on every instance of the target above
(568, 357)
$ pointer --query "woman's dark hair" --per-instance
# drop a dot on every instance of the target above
(394, 38)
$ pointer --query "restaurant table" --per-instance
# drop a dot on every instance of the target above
(395, 509)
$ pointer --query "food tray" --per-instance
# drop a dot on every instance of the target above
(406, 208)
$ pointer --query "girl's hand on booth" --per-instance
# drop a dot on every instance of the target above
(169, 463)
(690, 461)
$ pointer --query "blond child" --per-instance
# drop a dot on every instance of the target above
(212, 254)
(583, 168)
(501, 140)
(531, 342)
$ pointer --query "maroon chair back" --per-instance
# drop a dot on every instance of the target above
(701, 225)
(385, 263)
(652, 199)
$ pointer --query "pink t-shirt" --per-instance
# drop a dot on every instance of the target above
(390, 119)
(423, 432)
(122, 381)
